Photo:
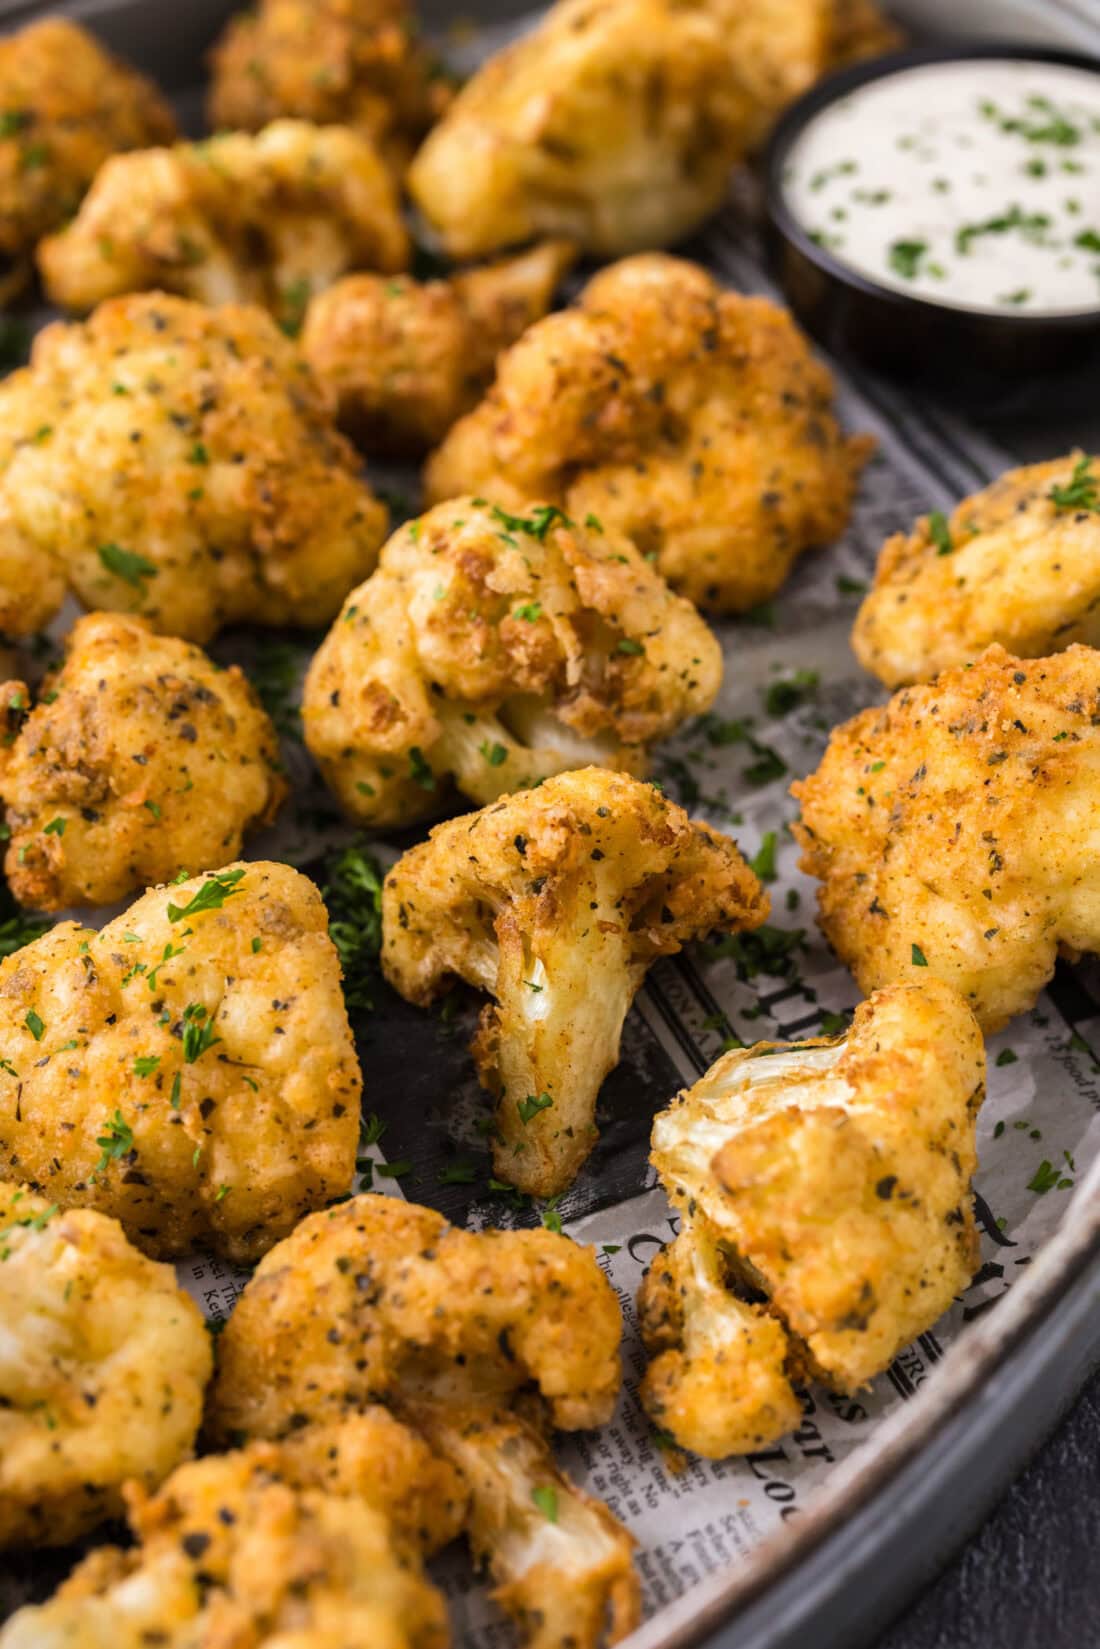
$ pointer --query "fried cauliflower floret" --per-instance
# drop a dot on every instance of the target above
(269, 219)
(833, 1178)
(555, 901)
(180, 463)
(141, 759)
(692, 420)
(232, 1551)
(382, 1301)
(952, 830)
(495, 650)
(614, 122)
(103, 1363)
(358, 63)
(188, 1069)
(405, 359)
(1018, 563)
(32, 580)
(720, 1377)
(67, 105)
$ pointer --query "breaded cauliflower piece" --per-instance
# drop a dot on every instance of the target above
(269, 219)
(495, 650)
(831, 1177)
(103, 1364)
(952, 830)
(614, 122)
(180, 462)
(555, 901)
(32, 580)
(719, 1381)
(140, 759)
(692, 420)
(358, 63)
(232, 1551)
(188, 1069)
(383, 1301)
(66, 106)
(1018, 563)
(405, 359)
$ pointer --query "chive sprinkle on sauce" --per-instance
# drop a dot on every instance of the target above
(974, 184)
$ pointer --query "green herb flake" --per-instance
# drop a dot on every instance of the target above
(211, 895)
(532, 1105)
(545, 1497)
(918, 957)
(34, 1024)
(940, 533)
(127, 565)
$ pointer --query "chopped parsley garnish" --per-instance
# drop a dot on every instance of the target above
(117, 1140)
(546, 1499)
(274, 673)
(1006, 1057)
(532, 1105)
(146, 1064)
(905, 257)
(352, 891)
(632, 648)
(35, 1025)
(530, 612)
(56, 827)
(393, 1170)
(127, 565)
(420, 770)
(495, 754)
(457, 1173)
(211, 895)
(1031, 224)
(549, 1215)
(918, 957)
(770, 951)
(535, 525)
(198, 1032)
(1046, 1178)
(764, 862)
(940, 533)
(786, 694)
(1082, 490)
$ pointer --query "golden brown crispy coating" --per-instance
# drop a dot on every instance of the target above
(405, 359)
(719, 1382)
(555, 901)
(188, 1069)
(140, 760)
(233, 1554)
(1018, 563)
(269, 219)
(496, 649)
(180, 463)
(32, 579)
(66, 106)
(357, 63)
(692, 420)
(614, 122)
(832, 1176)
(380, 1300)
(103, 1363)
(952, 830)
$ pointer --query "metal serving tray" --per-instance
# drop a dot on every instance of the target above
(886, 1517)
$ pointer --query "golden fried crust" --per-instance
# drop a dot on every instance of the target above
(67, 105)
(336, 62)
(269, 219)
(404, 359)
(951, 830)
(188, 1069)
(555, 901)
(142, 759)
(1010, 565)
(719, 1379)
(233, 1552)
(694, 421)
(103, 1361)
(833, 1177)
(379, 1300)
(561, 1562)
(496, 649)
(180, 462)
(615, 123)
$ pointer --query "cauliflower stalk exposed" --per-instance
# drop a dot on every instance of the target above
(360, 63)
(1018, 563)
(497, 649)
(189, 1068)
(103, 1362)
(692, 420)
(475, 1340)
(141, 757)
(555, 902)
(832, 1179)
(953, 831)
(67, 105)
(404, 359)
(269, 219)
(179, 462)
(240, 1549)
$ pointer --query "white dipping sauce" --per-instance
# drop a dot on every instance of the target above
(974, 184)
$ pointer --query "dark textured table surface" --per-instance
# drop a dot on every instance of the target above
(1030, 1578)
